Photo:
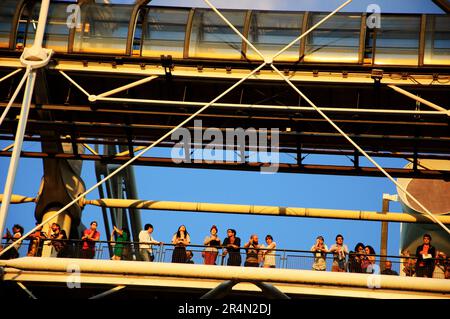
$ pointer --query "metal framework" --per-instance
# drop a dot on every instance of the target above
(36, 57)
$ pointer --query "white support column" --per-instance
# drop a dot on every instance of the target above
(419, 99)
(32, 58)
(108, 292)
(15, 156)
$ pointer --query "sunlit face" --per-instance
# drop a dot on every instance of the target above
(55, 227)
(94, 226)
(255, 238)
(319, 241)
(150, 230)
(367, 250)
(361, 250)
(339, 240)
(230, 233)
(388, 265)
(213, 231)
(182, 229)
(268, 240)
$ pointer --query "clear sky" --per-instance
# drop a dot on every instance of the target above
(297, 190)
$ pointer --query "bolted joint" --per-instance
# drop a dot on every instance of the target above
(35, 57)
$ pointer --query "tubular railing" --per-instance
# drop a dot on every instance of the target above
(284, 258)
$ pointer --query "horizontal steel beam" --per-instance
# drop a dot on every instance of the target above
(253, 166)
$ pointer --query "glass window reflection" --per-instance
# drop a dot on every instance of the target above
(7, 9)
(56, 31)
(272, 31)
(104, 29)
(437, 40)
(336, 40)
(164, 32)
(212, 38)
(397, 42)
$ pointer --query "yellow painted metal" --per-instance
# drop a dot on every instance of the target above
(287, 276)
(264, 210)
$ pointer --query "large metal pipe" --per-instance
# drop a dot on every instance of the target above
(251, 210)
(263, 210)
(230, 273)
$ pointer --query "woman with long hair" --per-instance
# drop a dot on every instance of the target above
(355, 258)
(180, 239)
(369, 259)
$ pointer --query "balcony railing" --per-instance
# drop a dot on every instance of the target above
(284, 258)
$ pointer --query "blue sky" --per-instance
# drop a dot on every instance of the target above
(298, 190)
(397, 6)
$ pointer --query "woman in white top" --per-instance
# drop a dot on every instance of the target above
(268, 253)
(14, 251)
(212, 241)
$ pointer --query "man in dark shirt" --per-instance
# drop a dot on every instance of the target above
(425, 254)
(388, 269)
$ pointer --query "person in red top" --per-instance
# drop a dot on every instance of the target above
(90, 236)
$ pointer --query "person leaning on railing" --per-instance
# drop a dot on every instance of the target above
(36, 242)
(232, 246)
(268, 253)
(58, 238)
(145, 243)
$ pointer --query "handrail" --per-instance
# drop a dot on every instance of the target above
(279, 250)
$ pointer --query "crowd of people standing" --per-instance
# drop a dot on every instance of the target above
(426, 262)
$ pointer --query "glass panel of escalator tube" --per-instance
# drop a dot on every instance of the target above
(212, 38)
(397, 41)
(7, 10)
(103, 29)
(334, 41)
(164, 32)
(272, 31)
(56, 31)
(437, 40)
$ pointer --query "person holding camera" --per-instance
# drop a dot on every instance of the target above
(253, 253)
(119, 237)
(320, 251)
(340, 252)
